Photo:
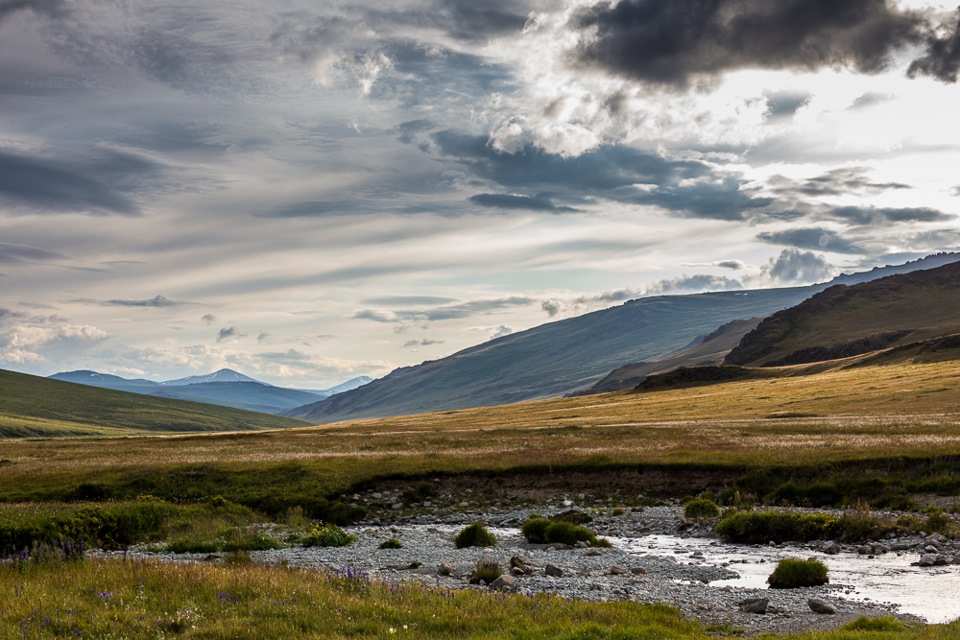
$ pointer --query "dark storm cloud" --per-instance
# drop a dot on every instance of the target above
(49, 8)
(686, 188)
(97, 184)
(675, 43)
(156, 302)
(942, 59)
(811, 238)
(833, 183)
(540, 202)
(13, 254)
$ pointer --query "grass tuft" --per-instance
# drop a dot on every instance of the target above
(475, 535)
(792, 573)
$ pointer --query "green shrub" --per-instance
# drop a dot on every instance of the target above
(701, 508)
(186, 545)
(328, 536)
(886, 623)
(543, 531)
(475, 535)
(937, 520)
(487, 570)
(568, 533)
(535, 530)
(391, 543)
(780, 526)
(794, 572)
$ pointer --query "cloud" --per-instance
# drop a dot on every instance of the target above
(39, 340)
(956, 191)
(693, 284)
(730, 264)
(793, 266)
(714, 199)
(783, 104)
(552, 307)
(228, 333)
(317, 208)
(689, 188)
(375, 315)
(101, 183)
(157, 301)
(426, 342)
(49, 8)
(605, 169)
(682, 42)
(262, 337)
(942, 59)
(294, 364)
(880, 215)
(409, 300)
(446, 312)
(208, 319)
(849, 180)
(811, 238)
(15, 254)
(502, 330)
(539, 202)
(733, 265)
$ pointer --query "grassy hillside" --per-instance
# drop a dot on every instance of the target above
(847, 320)
(712, 350)
(553, 359)
(905, 411)
(31, 406)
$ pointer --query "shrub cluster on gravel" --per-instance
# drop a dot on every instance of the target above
(792, 573)
(544, 531)
(391, 543)
(783, 526)
(475, 535)
(700, 508)
(329, 535)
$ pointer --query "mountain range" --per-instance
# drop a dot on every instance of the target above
(31, 407)
(572, 355)
(225, 387)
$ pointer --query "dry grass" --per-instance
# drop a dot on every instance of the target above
(836, 415)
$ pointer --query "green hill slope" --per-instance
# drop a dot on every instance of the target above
(31, 406)
(553, 359)
(845, 321)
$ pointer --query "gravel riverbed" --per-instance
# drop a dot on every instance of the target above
(681, 577)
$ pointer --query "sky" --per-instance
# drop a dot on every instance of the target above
(312, 191)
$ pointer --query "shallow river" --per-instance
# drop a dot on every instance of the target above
(929, 592)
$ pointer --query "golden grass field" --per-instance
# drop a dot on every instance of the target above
(838, 414)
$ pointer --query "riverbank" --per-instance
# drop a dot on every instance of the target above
(656, 556)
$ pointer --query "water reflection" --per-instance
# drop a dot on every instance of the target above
(928, 592)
